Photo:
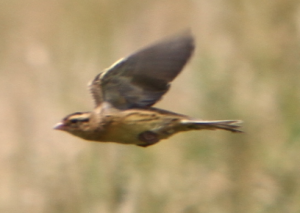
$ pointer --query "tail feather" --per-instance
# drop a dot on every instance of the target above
(229, 125)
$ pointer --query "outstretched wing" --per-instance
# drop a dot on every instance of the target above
(141, 79)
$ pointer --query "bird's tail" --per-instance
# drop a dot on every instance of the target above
(229, 125)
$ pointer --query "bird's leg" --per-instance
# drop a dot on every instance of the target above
(149, 138)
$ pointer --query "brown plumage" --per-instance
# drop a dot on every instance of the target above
(124, 95)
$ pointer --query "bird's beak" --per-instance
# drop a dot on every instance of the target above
(59, 126)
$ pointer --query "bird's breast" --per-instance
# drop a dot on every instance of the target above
(125, 127)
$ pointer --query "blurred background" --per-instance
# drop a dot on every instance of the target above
(246, 66)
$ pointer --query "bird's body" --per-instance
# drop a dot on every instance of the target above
(128, 126)
(125, 92)
(142, 127)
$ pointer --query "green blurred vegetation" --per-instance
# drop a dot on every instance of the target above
(246, 66)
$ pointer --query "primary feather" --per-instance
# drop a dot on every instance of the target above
(141, 79)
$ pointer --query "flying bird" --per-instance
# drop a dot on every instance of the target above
(125, 93)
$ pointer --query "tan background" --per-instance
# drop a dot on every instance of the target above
(246, 66)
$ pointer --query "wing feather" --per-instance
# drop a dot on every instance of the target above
(141, 79)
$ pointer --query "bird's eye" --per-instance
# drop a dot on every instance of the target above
(73, 121)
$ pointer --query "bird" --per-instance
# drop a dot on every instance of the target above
(124, 95)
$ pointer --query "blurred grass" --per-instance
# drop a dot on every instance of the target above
(246, 66)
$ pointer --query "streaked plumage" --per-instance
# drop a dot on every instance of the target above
(125, 92)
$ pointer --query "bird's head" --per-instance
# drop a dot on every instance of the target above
(77, 123)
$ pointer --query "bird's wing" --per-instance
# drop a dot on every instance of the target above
(141, 79)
